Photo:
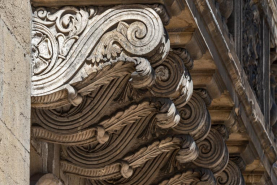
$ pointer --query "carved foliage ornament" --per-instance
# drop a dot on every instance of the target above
(70, 44)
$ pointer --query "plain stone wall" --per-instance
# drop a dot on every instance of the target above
(15, 105)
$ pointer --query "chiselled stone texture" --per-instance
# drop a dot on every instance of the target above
(15, 85)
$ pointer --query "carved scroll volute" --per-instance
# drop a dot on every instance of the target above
(231, 175)
(213, 152)
(172, 77)
(72, 44)
(195, 118)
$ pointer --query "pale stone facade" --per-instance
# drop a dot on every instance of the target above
(15, 84)
(138, 92)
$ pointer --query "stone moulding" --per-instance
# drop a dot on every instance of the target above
(249, 106)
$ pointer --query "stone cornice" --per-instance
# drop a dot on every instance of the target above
(227, 61)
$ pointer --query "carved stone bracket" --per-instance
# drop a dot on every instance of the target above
(106, 84)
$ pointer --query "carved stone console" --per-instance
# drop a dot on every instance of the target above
(118, 103)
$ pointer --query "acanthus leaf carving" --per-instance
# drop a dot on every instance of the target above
(88, 56)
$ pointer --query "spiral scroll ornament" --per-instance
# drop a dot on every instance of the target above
(213, 152)
(195, 118)
(231, 175)
(172, 78)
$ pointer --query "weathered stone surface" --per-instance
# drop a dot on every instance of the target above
(17, 16)
(14, 158)
(15, 102)
(15, 87)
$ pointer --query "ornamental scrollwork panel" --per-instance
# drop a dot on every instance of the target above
(75, 44)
